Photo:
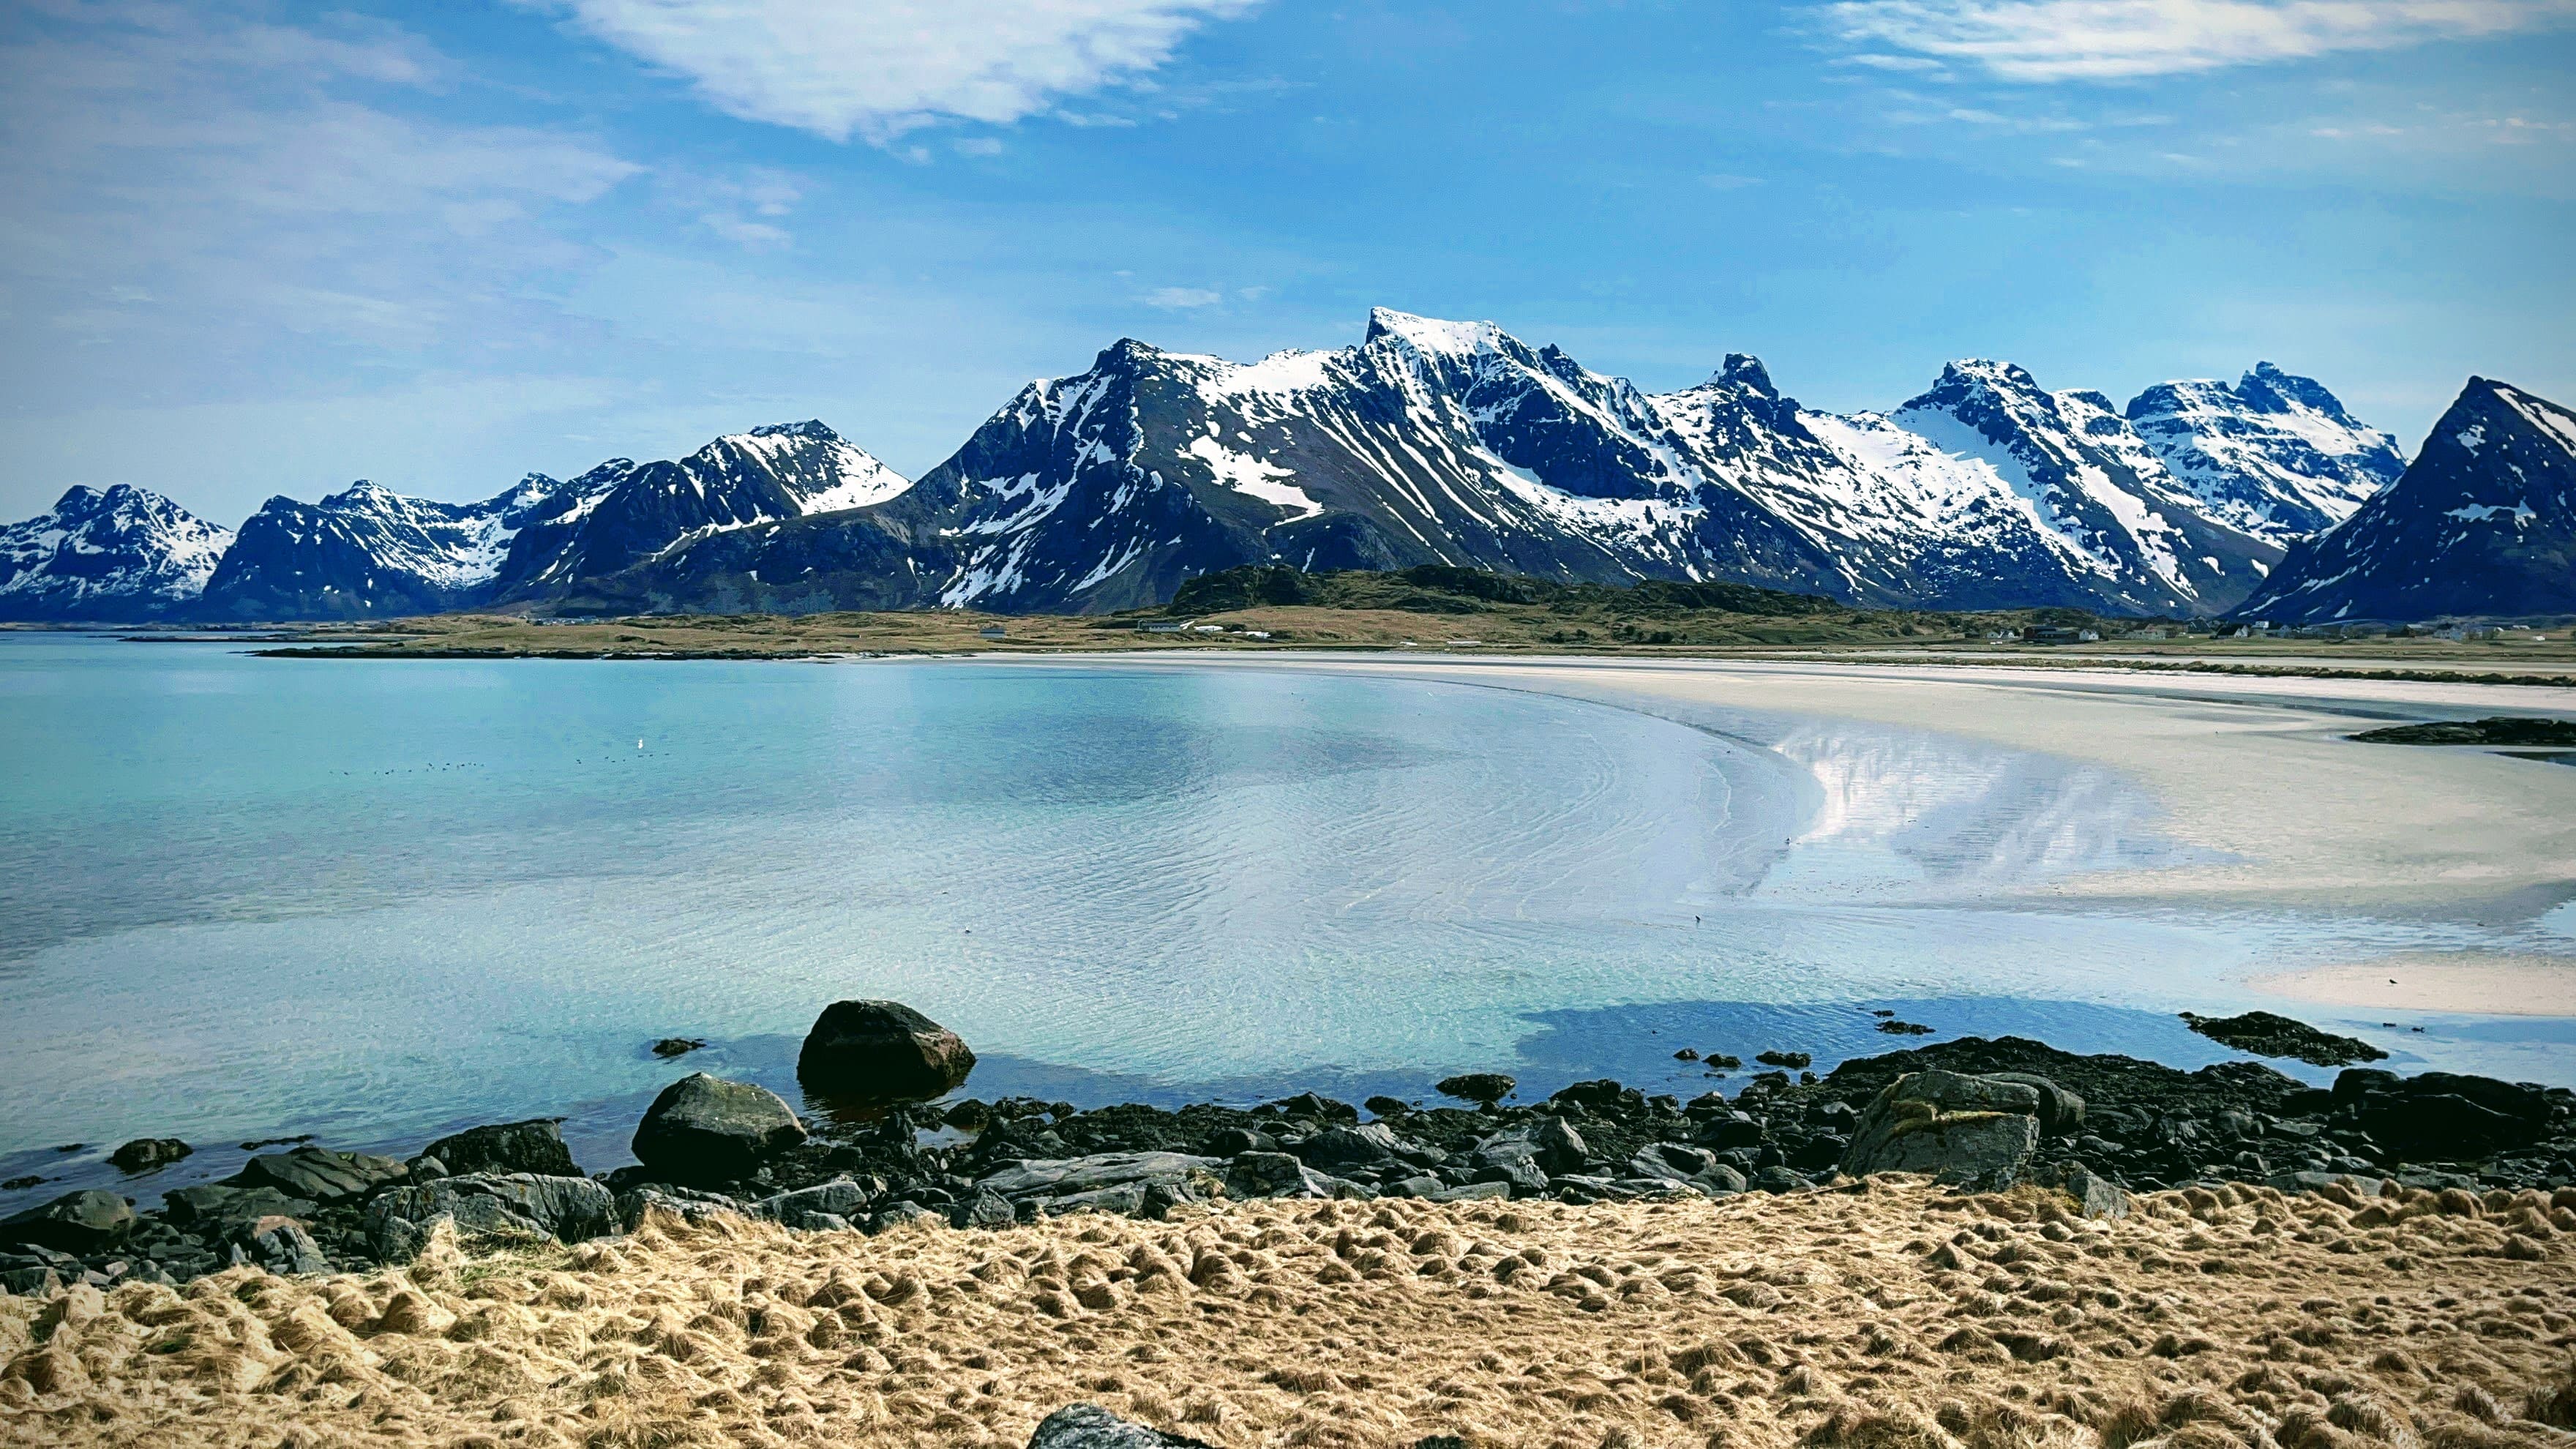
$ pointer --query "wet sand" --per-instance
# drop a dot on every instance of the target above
(2481, 985)
(2258, 770)
(1890, 1316)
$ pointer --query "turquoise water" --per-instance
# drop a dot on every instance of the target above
(374, 901)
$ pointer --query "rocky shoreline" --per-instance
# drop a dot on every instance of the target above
(1977, 1114)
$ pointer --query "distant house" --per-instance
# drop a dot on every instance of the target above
(991, 631)
(1160, 626)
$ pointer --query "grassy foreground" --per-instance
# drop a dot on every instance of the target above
(1455, 611)
(1888, 1315)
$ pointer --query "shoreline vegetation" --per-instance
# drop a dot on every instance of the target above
(1980, 1244)
(1436, 609)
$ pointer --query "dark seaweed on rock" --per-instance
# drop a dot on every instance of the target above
(2501, 729)
(2267, 1035)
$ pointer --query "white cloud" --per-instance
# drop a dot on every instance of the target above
(878, 68)
(206, 208)
(1178, 299)
(2056, 40)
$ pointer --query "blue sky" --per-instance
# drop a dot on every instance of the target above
(269, 248)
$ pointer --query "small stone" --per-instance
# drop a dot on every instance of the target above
(1792, 1060)
(678, 1046)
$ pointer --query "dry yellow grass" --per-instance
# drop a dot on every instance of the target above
(1891, 1318)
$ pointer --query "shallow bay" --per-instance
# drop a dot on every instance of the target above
(375, 901)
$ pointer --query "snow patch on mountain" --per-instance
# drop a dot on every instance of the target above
(2275, 454)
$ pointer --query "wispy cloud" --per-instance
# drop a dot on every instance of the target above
(879, 68)
(2061, 40)
(1182, 299)
(202, 202)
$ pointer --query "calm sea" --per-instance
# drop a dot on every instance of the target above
(249, 898)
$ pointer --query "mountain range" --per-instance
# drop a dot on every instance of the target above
(1427, 442)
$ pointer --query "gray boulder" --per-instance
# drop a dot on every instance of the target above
(1482, 1088)
(318, 1174)
(1339, 1149)
(1730, 1129)
(76, 1222)
(840, 1198)
(213, 1205)
(535, 1146)
(516, 1207)
(36, 1282)
(1124, 1200)
(684, 1203)
(1063, 1176)
(1695, 1166)
(984, 1210)
(1274, 1174)
(2095, 1196)
(280, 1245)
(902, 1213)
(704, 1129)
(145, 1154)
(1549, 1141)
(881, 1049)
(2061, 1112)
(1962, 1129)
(1089, 1426)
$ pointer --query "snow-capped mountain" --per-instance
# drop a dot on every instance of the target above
(2048, 498)
(2483, 523)
(2275, 456)
(114, 556)
(1446, 442)
(621, 513)
(371, 552)
(368, 551)
(1425, 442)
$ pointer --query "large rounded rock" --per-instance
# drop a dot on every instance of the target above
(76, 1222)
(706, 1129)
(1481, 1088)
(1089, 1426)
(535, 1146)
(318, 1174)
(147, 1154)
(1973, 1130)
(881, 1049)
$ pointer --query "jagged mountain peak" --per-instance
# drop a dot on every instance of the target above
(1974, 373)
(1434, 335)
(2275, 453)
(2483, 523)
(814, 428)
(1743, 369)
